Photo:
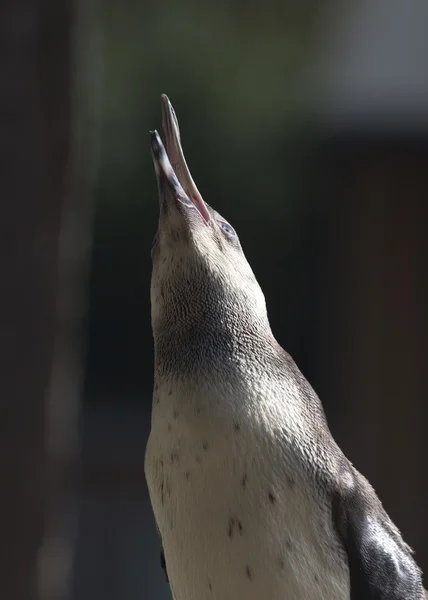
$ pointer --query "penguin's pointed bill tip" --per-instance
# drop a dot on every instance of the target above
(156, 143)
(165, 100)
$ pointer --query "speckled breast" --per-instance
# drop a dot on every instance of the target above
(233, 511)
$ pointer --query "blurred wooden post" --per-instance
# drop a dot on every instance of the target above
(35, 66)
(62, 508)
(379, 322)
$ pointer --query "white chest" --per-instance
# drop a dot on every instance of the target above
(236, 519)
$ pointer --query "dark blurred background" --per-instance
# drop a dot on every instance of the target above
(306, 125)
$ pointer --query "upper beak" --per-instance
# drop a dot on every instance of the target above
(171, 164)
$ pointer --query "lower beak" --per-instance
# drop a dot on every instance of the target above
(171, 163)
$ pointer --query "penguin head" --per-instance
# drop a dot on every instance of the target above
(200, 273)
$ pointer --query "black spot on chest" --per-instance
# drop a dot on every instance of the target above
(231, 528)
(233, 525)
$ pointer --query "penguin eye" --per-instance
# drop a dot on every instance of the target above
(227, 228)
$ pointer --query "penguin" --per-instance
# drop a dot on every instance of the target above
(252, 497)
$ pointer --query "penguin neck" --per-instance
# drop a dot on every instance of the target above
(214, 342)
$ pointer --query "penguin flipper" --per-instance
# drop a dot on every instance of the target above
(381, 565)
(162, 556)
(163, 564)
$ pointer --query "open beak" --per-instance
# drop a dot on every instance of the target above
(170, 164)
